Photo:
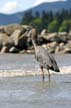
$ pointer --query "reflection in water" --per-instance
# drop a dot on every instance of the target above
(32, 92)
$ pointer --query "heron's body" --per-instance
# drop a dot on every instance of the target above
(44, 58)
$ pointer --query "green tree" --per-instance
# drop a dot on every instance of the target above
(64, 26)
(69, 24)
(50, 16)
(37, 23)
(27, 18)
(37, 14)
(44, 17)
(53, 26)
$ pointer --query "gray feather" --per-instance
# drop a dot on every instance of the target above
(45, 59)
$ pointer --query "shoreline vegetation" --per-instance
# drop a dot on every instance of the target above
(10, 41)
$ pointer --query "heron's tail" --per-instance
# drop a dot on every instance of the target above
(54, 66)
(56, 69)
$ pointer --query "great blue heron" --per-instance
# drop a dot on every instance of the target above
(44, 58)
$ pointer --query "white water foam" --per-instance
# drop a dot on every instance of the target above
(17, 72)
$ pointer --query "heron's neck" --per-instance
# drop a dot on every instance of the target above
(34, 43)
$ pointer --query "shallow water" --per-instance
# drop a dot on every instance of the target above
(23, 63)
(30, 91)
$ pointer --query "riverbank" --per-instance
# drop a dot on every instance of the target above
(13, 39)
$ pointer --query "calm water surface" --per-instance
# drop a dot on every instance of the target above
(30, 91)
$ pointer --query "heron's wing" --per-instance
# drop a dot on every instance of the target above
(54, 63)
(43, 58)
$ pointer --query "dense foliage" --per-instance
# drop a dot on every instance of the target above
(53, 23)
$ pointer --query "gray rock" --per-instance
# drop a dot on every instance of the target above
(52, 37)
(2, 29)
(69, 42)
(69, 36)
(57, 50)
(62, 33)
(52, 46)
(16, 35)
(4, 49)
(5, 40)
(67, 48)
(9, 29)
(14, 50)
(63, 36)
(22, 52)
(27, 27)
(44, 32)
(62, 49)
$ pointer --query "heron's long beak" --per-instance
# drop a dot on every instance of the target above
(29, 34)
(25, 34)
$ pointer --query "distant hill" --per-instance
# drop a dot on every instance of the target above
(7, 19)
(53, 6)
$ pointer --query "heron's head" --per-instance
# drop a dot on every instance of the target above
(32, 34)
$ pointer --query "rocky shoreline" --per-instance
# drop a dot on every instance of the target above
(10, 41)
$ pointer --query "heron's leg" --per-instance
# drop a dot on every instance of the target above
(49, 75)
(42, 73)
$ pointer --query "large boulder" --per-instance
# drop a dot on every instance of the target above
(52, 46)
(26, 27)
(9, 29)
(2, 29)
(63, 36)
(14, 50)
(63, 48)
(51, 37)
(69, 43)
(4, 49)
(69, 35)
(43, 32)
(19, 38)
(15, 36)
(59, 48)
(5, 40)
(58, 37)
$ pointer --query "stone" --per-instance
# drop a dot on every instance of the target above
(14, 50)
(69, 35)
(4, 50)
(5, 40)
(63, 36)
(16, 35)
(9, 29)
(44, 32)
(50, 37)
(52, 46)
